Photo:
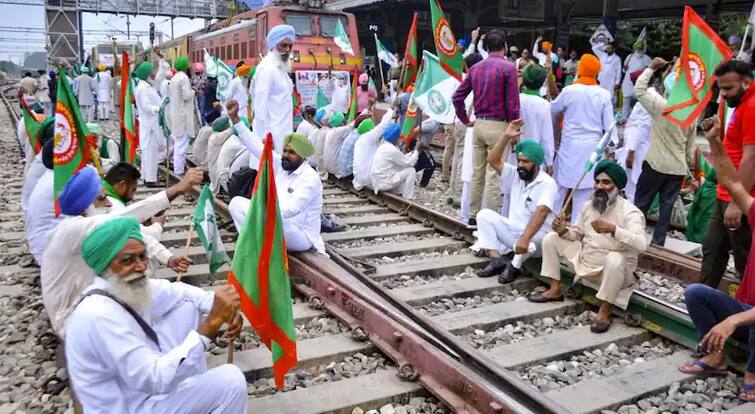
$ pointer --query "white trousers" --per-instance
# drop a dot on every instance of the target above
(631, 188)
(403, 183)
(88, 111)
(179, 153)
(219, 390)
(581, 196)
(150, 159)
(103, 110)
(495, 232)
(296, 239)
(465, 201)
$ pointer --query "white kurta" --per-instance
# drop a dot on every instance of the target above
(588, 113)
(340, 99)
(610, 69)
(299, 192)
(231, 148)
(181, 106)
(214, 145)
(364, 151)
(637, 139)
(305, 128)
(273, 106)
(24, 139)
(85, 90)
(43, 90)
(538, 125)
(40, 216)
(35, 171)
(150, 134)
(116, 368)
(633, 63)
(237, 91)
(388, 162)
(333, 142)
(64, 274)
(199, 150)
(104, 86)
(163, 68)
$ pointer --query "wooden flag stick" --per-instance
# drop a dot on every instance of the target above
(231, 349)
(186, 248)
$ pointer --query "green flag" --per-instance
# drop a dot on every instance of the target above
(434, 90)
(215, 67)
(259, 271)
(321, 100)
(341, 38)
(702, 52)
(31, 124)
(384, 54)
(445, 42)
(206, 226)
(72, 138)
(351, 113)
(410, 121)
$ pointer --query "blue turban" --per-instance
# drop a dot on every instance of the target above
(80, 192)
(392, 133)
(278, 33)
(462, 43)
(320, 115)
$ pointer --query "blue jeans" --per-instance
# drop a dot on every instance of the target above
(707, 307)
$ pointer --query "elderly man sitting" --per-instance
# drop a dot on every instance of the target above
(136, 345)
(391, 170)
(602, 246)
(533, 195)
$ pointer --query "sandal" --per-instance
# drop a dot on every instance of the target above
(600, 326)
(540, 298)
(706, 369)
(747, 389)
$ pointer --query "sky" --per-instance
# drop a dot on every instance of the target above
(22, 29)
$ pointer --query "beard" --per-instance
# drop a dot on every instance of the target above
(602, 199)
(133, 290)
(281, 60)
(734, 101)
(525, 174)
(289, 165)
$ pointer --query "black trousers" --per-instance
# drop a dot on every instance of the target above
(719, 241)
(426, 164)
(667, 187)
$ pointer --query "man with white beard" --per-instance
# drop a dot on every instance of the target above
(64, 275)
(271, 89)
(601, 247)
(137, 345)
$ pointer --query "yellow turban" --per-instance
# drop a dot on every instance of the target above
(243, 70)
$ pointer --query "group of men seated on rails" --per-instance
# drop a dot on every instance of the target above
(135, 343)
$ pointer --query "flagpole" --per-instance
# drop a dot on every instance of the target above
(186, 248)
(378, 62)
(744, 40)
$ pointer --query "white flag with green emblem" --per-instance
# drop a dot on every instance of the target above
(206, 226)
(215, 68)
(383, 53)
(342, 38)
(434, 89)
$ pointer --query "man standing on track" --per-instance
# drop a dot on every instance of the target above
(137, 345)
(272, 89)
(104, 91)
(610, 68)
(729, 227)
(601, 247)
(496, 103)
(182, 119)
(238, 89)
(86, 89)
(151, 138)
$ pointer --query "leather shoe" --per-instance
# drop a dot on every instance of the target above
(600, 326)
(508, 275)
(496, 265)
(330, 226)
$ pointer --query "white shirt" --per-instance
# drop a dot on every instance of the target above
(64, 274)
(588, 113)
(24, 139)
(114, 365)
(364, 151)
(299, 192)
(104, 86)
(273, 106)
(610, 68)
(33, 174)
(386, 164)
(305, 128)
(148, 103)
(237, 92)
(527, 197)
(340, 98)
(633, 63)
(40, 216)
(538, 125)
(637, 139)
(333, 142)
(154, 230)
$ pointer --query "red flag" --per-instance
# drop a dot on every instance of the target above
(129, 123)
(411, 65)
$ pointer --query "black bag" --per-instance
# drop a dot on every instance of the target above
(242, 182)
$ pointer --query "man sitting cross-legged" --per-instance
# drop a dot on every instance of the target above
(137, 345)
(533, 195)
(602, 246)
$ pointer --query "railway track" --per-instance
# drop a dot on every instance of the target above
(396, 321)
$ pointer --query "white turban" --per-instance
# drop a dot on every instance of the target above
(278, 33)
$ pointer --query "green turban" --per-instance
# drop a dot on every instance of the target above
(244, 120)
(300, 144)
(182, 63)
(84, 69)
(143, 71)
(614, 171)
(531, 150)
(639, 46)
(366, 126)
(107, 240)
(94, 128)
(533, 76)
(220, 124)
(336, 119)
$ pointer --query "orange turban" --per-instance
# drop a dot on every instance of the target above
(547, 46)
(588, 69)
(243, 70)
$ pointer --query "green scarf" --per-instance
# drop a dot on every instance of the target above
(111, 191)
(533, 92)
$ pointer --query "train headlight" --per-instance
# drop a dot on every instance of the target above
(297, 58)
(315, 4)
(343, 59)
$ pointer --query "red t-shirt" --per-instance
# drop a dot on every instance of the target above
(741, 132)
(746, 291)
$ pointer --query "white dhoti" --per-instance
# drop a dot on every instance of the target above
(296, 239)
(402, 184)
(219, 390)
(88, 111)
(179, 153)
(613, 280)
(581, 196)
(150, 157)
(465, 202)
(103, 110)
(495, 232)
